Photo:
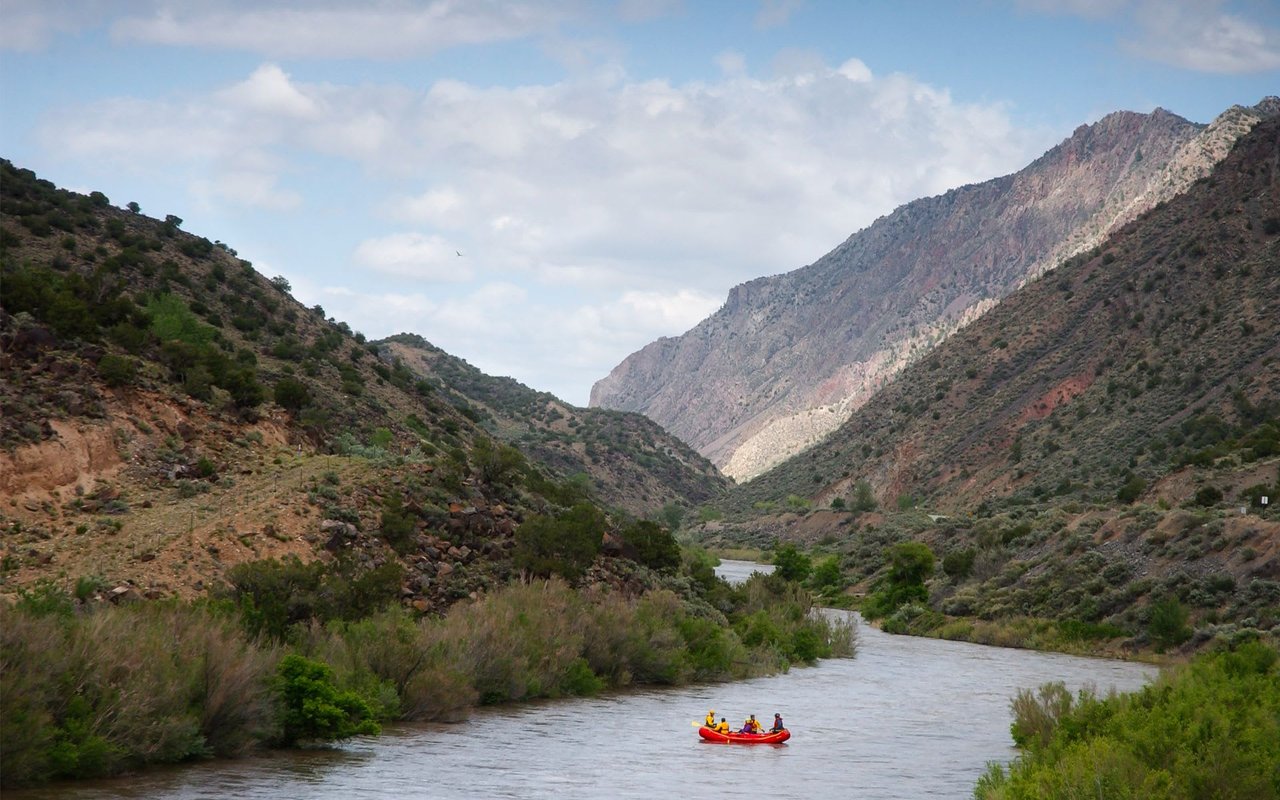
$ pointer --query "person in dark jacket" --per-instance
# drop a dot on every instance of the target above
(777, 724)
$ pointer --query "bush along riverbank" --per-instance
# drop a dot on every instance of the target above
(103, 690)
(1209, 728)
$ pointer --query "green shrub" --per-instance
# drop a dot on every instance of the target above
(397, 525)
(314, 709)
(790, 564)
(117, 371)
(910, 564)
(827, 575)
(1168, 624)
(958, 564)
(1209, 729)
(562, 545)
(652, 545)
(1207, 496)
(291, 394)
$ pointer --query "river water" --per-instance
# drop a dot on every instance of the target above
(905, 718)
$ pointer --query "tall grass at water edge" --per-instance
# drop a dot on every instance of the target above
(96, 693)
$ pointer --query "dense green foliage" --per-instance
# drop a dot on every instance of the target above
(562, 545)
(1210, 729)
(652, 545)
(790, 564)
(314, 708)
(910, 565)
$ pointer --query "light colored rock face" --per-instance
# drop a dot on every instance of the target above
(790, 357)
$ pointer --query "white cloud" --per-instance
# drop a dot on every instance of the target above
(1196, 35)
(414, 255)
(333, 29)
(855, 70)
(1199, 37)
(625, 210)
(269, 90)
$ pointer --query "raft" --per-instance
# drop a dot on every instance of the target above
(744, 738)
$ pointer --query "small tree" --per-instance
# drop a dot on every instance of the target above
(653, 545)
(134, 207)
(1168, 624)
(281, 283)
(564, 545)
(496, 464)
(958, 564)
(1207, 496)
(790, 564)
(827, 574)
(118, 371)
(314, 709)
(292, 394)
(397, 524)
(1132, 489)
(863, 498)
(910, 565)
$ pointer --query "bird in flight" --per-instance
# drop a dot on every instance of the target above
(459, 252)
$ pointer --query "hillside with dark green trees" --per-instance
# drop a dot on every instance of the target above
(632, 458)
(161, 392)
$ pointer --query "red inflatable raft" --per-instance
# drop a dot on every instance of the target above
(744, 738)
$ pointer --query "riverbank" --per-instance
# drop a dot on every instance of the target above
(1028, 633)
(906, 717)
(1210, 728)
(103, 690)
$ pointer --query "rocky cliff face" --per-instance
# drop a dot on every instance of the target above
(788, 358)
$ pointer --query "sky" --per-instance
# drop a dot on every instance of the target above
(542, 188)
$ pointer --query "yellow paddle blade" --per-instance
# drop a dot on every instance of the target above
(696, 724)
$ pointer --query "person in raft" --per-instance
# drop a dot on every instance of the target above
(723, 727)
(711, 719)
(750, 726)
(777, 724)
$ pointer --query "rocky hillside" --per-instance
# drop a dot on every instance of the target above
(643, 466)
(1101, 439)
(167, 412)
(788, 358)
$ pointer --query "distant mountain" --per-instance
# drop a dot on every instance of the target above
(1133, 359)
(788, 358)
(634, 464)
(1096, 446)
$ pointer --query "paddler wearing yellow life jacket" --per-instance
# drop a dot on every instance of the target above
(711, 719)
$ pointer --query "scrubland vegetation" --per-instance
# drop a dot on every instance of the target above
(97, 691)
(1208, 729)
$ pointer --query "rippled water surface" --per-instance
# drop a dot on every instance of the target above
(905, 718)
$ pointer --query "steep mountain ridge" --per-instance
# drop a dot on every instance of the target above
(1174, 317)
(789, 357)
(1100, 445)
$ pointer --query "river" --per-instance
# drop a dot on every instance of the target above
(906, 717)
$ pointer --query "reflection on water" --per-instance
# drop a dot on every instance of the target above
(906, 718)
